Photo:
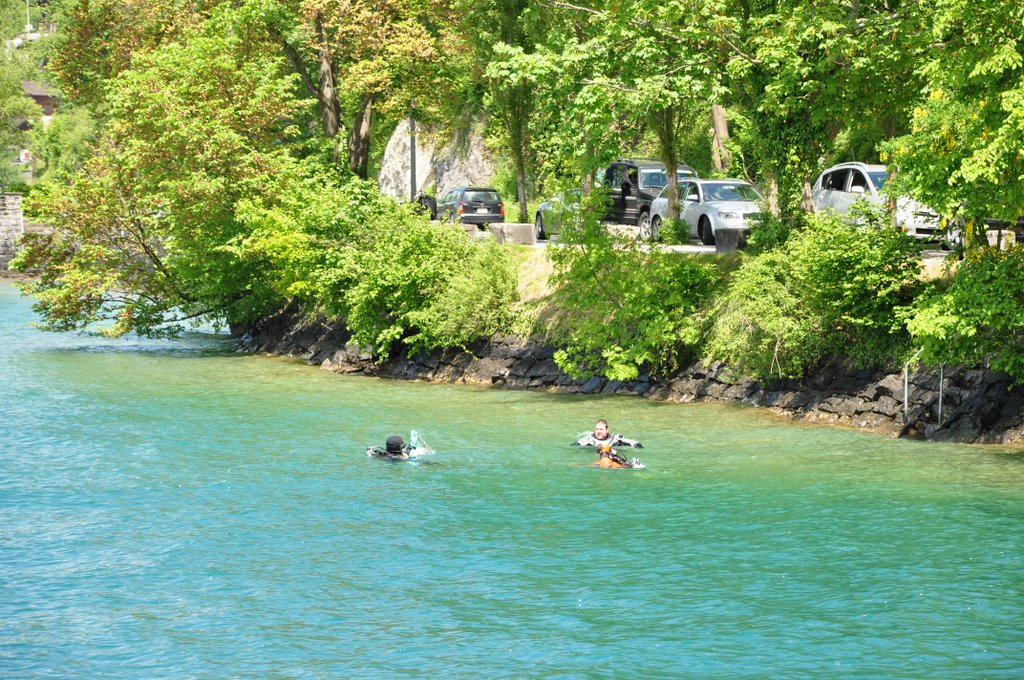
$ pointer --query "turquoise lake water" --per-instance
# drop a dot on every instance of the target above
(174, 510)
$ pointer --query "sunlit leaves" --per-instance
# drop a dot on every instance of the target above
(963, 153)
(980, 319)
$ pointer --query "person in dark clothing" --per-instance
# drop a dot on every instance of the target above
(394, 449)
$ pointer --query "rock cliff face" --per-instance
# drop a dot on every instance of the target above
(440, 166)
(976, 406)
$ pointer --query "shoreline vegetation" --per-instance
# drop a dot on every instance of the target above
(975, 406)
(215, 165)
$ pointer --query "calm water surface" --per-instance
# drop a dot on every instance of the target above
(173, 510)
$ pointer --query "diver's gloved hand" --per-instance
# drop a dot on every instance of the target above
(638, 445)
(575, 444)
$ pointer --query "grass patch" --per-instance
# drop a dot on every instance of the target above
(534, 272)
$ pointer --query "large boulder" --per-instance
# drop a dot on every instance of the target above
(441, 163)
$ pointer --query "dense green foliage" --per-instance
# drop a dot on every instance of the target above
(980, 318)
(192, 207)
(831, 290)
(198, 170)
(761, 325)
(620, 308)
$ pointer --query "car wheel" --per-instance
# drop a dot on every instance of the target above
(540, 228)
(655, 227)
(644, 222)
(707, 237)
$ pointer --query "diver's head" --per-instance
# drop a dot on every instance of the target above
(394, 444)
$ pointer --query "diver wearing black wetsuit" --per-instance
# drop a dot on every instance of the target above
(394, 449)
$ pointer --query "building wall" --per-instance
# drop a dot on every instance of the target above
(12, 226)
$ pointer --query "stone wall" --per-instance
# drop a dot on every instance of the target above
(12, 226)
(977, 406)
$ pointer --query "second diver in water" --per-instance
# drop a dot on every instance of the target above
(394, 449)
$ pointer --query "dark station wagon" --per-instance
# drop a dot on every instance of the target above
(471, 205)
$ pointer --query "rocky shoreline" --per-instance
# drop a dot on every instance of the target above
(976, 406)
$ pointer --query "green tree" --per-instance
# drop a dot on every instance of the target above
(16, 108)
(962, 154)
(61, 147)
(512, 78)
(98, 39)
(380, 56)
(979, 320)
(141, 233)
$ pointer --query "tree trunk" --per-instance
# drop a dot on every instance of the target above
(664, 123)
(720, 153)
(772, 194)
(323, 88)
(521, 188)
(516, 120)
(519, 162)
(806, 196)
(327, 94)
(359, 139)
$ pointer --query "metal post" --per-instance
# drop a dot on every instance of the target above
(412, 157)
(906, 390)
(941, 389)
(906, 385)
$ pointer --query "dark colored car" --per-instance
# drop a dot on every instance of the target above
(632, 187)
(471, 205)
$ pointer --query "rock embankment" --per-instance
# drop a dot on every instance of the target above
(965, 405)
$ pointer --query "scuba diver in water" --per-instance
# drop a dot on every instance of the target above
(394, 449)
(600, 436)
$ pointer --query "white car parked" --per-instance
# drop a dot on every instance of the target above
(707, 205)
(842, 185)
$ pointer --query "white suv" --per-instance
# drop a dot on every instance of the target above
(839, 187)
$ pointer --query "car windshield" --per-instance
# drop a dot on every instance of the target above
(653, 179)
(730, 192)
(490, 196)
(878, 179)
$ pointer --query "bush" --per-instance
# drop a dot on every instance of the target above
(769, 232)
(980, 318)
(675, 231)
(418, 284)
(761, 326)
(619, 308)
(831, 289)
(855, 280)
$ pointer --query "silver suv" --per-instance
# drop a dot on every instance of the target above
(842, 185)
